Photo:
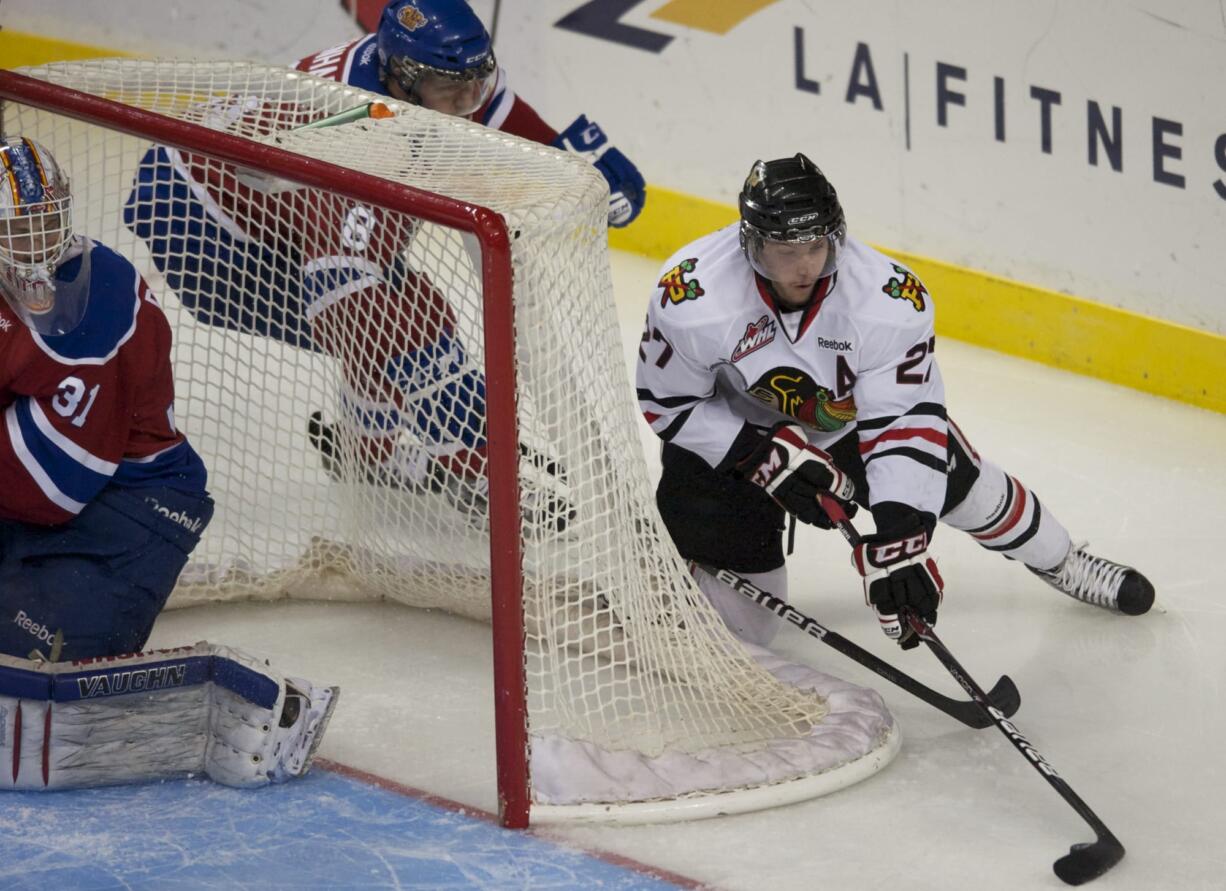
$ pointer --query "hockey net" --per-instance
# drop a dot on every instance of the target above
(628, 696)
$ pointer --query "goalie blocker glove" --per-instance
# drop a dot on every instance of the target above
(794, 473)
(627, 191)
(899, 574)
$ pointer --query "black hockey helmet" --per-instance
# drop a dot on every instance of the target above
(789, 200)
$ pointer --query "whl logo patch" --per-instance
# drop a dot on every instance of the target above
(757, 335)
(907, 288)
(676, 287)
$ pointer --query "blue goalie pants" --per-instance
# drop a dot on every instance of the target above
(100, 579)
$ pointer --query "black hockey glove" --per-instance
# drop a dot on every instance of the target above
(899, 574)
(794, 473)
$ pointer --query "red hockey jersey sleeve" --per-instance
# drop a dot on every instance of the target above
(507, 112)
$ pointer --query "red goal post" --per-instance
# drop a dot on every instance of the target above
(619, 693)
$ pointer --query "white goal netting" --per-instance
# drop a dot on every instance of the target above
(345, 436)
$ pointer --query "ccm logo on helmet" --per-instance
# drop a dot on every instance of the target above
(803, 218)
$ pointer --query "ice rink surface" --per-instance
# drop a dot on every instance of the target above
(1128, 710)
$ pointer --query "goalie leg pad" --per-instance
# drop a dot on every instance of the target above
(149, 716)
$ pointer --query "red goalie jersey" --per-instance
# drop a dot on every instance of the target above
(93, 407)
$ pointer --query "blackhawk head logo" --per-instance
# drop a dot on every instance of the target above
(792, 392)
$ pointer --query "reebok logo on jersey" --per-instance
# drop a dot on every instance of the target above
(5, 324)
(757, 335)
(842, 346)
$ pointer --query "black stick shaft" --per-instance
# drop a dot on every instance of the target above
(1084, 862)
(925, 633)
(966, 712)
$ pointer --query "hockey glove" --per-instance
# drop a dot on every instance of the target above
(899, 574)
(793, 473)
(544, 500)
(627, 191)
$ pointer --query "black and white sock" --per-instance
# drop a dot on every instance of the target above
(1004, 516)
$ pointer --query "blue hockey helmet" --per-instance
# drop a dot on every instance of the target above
(438, 53)
(35, 230)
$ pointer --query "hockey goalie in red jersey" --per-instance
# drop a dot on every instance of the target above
(784, 359)
(238, 255)
(103, 501)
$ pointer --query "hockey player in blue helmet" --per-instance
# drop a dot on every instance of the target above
(437, 54)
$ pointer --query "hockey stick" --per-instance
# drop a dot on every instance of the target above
(1084, 861)
(1004, 695)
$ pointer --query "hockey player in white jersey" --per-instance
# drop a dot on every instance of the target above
(782, 359)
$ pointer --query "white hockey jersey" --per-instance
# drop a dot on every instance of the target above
(717, 352)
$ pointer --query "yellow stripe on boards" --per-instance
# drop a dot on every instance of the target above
(1071, 333)
(1146, 353)
(709, 15)
(19, 49)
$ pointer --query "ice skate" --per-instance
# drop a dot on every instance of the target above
(1101, 582)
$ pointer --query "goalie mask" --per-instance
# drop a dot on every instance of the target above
(792, 224)
(36, 238)
(438, 53)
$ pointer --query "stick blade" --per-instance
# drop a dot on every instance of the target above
(1086, 862)
(1005, 696)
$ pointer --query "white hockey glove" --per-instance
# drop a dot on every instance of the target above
(899, 574)
(794, 473)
